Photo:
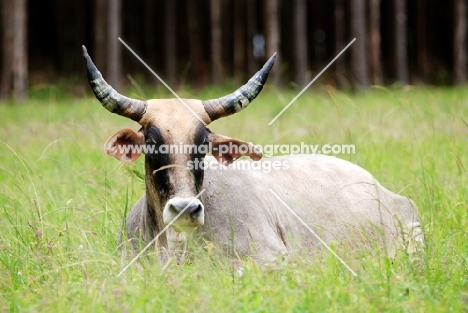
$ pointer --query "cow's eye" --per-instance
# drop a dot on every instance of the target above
(152, 147)
(202, 150)
(150, 141)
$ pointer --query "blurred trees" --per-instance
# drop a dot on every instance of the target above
(340, 31)
(359, 64)
(401, 54)
(216, 51)
(99, 29)
(459, 42)
(114, 56)
(14, 42)
(7, 48)
(239, 39)
(272, 34)
(204, 41)
(300, 42)
(170, 47)
(374, 42)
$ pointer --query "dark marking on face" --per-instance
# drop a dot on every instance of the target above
(201, 141)
(153, 135)
(155, 161)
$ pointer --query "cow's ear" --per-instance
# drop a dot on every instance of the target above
(226, 150)
(125, 145)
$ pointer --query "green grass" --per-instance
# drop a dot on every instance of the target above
(63, 201)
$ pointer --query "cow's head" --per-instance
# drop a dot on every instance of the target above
(170, 185)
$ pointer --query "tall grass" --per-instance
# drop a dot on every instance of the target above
(63, 202)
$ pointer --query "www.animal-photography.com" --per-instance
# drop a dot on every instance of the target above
(233, 156)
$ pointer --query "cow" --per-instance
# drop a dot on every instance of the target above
(240, 211)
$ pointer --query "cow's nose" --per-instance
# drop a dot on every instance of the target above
(193, 211)
(191, 208)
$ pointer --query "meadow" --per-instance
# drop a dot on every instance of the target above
(63, 203)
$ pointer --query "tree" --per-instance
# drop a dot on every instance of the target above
(272, 35)
(421, 44)
(216, 51)
(251, 32)
(374, 26)
(67, 32)
(100, 22)
(239, 39)
(20, 50)
(15, 49)
(300, 41)
(170, 40)
(114, 55)
(401, 54)
(195, 46)
(7, 43)
(459, 43)
(359, 66)
(149, 37)
(340, 67)
(421, 39)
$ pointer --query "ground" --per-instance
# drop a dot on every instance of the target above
(63, 202)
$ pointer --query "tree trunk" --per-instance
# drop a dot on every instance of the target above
(359, 66)
(79, 8)
(20, 50)
(239, 39)
(459, 43)
(340, 67)
(251, 32)
(421, 42)
(100, 19)
(216, 65)
(170, 43)
(195, 43)
(149, 30)
(114, 53)
(7, 53)
(374, 26)
(272, 36)
(401, 53)
(300, 41)
(62, 29)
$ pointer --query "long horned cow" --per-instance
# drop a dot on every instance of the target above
(237, 213)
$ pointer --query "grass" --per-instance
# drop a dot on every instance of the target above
(63, 201)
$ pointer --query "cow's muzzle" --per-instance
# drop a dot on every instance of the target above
(191, 210)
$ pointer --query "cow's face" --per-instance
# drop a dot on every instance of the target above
(172, 180)
(176, 142)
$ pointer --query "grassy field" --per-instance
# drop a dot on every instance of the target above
(63, 202)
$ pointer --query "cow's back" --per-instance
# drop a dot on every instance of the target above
(339, 200)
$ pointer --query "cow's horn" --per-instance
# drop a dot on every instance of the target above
(241, 98)
(109, 97)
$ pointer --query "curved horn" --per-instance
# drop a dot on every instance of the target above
(109, 97)
(241, 98)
